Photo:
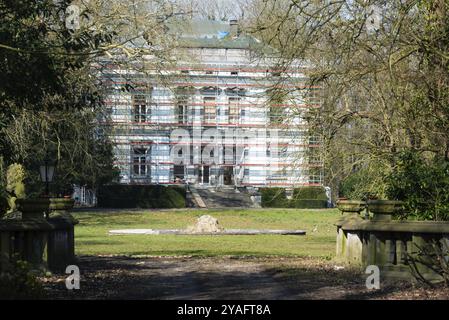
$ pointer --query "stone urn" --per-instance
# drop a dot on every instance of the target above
(60, 207)
(383, 210)
(33, 209)
(61, 204)
(351, 208)
(350, 205)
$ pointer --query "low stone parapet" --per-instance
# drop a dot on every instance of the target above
(399, 248)
(46, 243)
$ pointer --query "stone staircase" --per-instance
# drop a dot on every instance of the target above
(223, 197)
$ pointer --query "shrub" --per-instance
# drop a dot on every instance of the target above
(316, 193)
(20, 283)
(366, 182)
(273, 198)
(309, 198)
(137, 196)
(422, 184)
(308, 204)
(305, 198)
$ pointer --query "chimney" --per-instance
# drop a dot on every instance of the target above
(234, 28)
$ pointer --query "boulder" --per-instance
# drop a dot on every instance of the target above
(205, 224)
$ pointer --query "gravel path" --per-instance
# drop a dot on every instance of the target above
(222, 278)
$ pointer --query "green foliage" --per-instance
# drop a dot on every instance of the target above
(308, 198)
(422, 184)
(308, 203)
(49, 100)
(305, 197)
(274, 198)
(316, 193)
(366, 182)
(153, 196)
(20, 283)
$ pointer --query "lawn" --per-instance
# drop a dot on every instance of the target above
(92, 236)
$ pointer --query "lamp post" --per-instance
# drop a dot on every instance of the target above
(47, 171)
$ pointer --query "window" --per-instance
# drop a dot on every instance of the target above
(178, 172)
(209, 109)
(139, 161)
(141, 112)
(182, 111)
(233, 107)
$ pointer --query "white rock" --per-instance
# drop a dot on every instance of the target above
(205, 224)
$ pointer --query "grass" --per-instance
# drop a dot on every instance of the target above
(92, 236)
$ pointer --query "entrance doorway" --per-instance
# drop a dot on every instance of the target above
(228, 175)
(203, 174)
(178, 173)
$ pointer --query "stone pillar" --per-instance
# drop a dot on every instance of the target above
(32, 245)
(61, 247)
(445, 247)
(5, 248)
(341, 243)
(400, 253)
(354, 248)
(419, 261)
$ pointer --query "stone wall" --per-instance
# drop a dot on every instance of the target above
(399, 248)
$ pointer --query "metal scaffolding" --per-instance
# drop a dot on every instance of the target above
(228, 100)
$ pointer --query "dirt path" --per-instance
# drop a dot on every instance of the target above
(219, 278)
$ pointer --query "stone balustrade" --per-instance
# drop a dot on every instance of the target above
(46, 243)
(399, 248)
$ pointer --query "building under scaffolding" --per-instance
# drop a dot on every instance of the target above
(225, 116)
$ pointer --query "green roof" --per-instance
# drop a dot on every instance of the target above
(211, 34)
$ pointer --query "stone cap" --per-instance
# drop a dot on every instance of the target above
(396, 226)
(62, 219)
(24, 225)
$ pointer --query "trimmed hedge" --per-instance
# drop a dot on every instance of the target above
(309, 198)
(304, 198)
(273, 198)
(308, 204)
(139, 196)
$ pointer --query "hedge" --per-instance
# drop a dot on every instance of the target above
(305, 197)
(308, 204)
(316, 193)
(273, 197)
(139, 196)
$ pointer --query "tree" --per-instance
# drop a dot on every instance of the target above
(383, 67)
(51, 57)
